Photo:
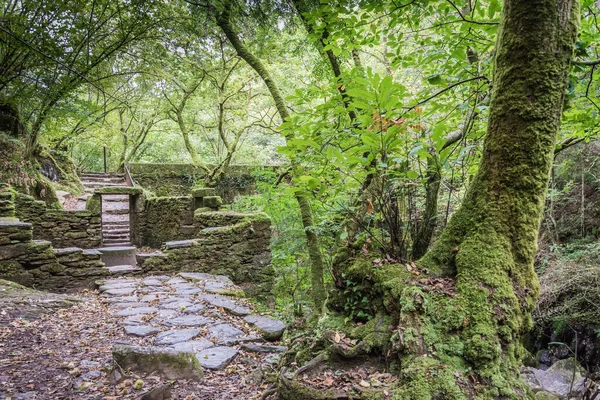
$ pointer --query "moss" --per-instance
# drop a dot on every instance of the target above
(133, 191)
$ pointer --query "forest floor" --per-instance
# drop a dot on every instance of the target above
(66, 353)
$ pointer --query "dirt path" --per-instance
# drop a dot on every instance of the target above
(67, 355)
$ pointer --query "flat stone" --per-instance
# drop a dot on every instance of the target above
(120, 292)
(194, 309)
(152, 282)
(188, 320)
(175, 281)
(122, 269)
(117, 285)
(270, 328)
(177, 305)
(160, 277)
(165, 362)
(139, 319)
(141, 330)
(176, 336)
(119, 281)
(67, 250)
(130, 304)
(224, 331)
(227, 304)
(120, 299)
(222, 288)
(136, 311)
(263, 348)
(193, 346)
(188, 292)
(180, 244)
(162, 313)
(154, 296)
(216, 357)
(199, 276)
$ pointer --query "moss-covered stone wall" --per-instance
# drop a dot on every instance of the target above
(178, 179)
(62, 228)
(226, 243)
(35, 263)
(162, 219)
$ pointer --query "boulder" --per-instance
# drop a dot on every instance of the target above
(165, 362)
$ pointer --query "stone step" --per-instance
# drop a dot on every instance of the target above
(117, 231)
(118, 255)
(116, 243)
(110, 236)
(117, 211)
(121, 270)
(97, 184)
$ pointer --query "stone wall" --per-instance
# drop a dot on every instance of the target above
(35, 263)
(178, 179)
(164, 219)
(63, 228)
(225, 243)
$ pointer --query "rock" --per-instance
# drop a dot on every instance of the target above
(165, 362)
(193, 346)
(188, 292)
(120, 292)
(160, 392)
(216, 357)
(130, 305)
(567, 367)
(224, 331)
(155, 296)
(270, 328)
(136, 319)
(136, 311)
(166, 313)
(258, 348)
(117, 285)
(141, 330)
(91, 375)
(123, 299)
(539, 380)
(89, 364)
(177, 305)
(152, 282)
(176, 336)
(176, 280)
(188, 320)
(194, 309)
(227, 304)
(544, 395)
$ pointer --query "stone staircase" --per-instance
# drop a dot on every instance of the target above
(94, 180)
(115, 208)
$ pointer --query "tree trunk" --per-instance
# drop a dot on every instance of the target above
(312, 242)
(490, 243)
(456, 319)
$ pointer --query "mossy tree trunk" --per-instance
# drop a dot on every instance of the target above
(319, 295)
(456, 324)
(490, 243)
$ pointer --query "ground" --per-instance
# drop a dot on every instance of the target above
(65, 353)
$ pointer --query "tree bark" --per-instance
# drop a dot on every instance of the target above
(312, 241)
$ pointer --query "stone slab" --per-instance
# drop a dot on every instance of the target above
(176, 336)
(141, 330)
(270, 328)
(216, 357)
(165, 362)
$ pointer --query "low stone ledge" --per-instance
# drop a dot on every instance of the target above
(180, 244)
(134, 191)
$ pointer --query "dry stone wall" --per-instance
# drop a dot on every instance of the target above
(224, 243)
(62, 228)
